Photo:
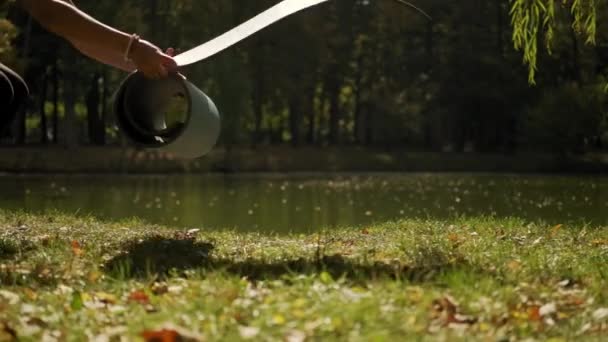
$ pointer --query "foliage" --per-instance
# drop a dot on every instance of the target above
(8, 32)
(531, 18)
(567, 119)
(345, 72)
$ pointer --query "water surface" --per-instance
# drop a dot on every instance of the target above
(304, 203)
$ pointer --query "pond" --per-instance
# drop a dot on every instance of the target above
(303, 203)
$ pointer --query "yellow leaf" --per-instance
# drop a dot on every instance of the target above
(278, 319)
(514, 265)
(555, 230)
(31, 294)
(107, 298)
(93, 276)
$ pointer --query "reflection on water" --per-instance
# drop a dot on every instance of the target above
(305, 203)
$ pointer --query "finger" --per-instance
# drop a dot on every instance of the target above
(170, 51)
(168, 62)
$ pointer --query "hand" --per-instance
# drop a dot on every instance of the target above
(151, 61)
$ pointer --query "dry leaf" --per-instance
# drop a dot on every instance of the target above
(93, 276)
(106, 298)
(514, 265)
(534, 313)
(453, 237)
(600, 242)
(164, 335)
(159, 288)
(7, 333)
(140, 297)
(600, 314)
(31, 294)
(10, 297)
(547, 309)
(295, 336)
(170, 333)
(555, 230)
(446, 310)
(248, 332)
(76, 248)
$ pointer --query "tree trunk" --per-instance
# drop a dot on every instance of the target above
(369, 130)
(70, 134)
(258, 104)
(55, 102)
(334, 111)
(93, 117)
(104, 109)
(295, 118)
(44, 138)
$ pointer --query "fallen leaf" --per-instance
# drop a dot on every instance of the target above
(534, 313)
(31, 294)
(106, 298)
(7, 333)
(10, 297)
(170, 333)
(192, 232)
(600, 314)
(164, 335)
(77, 248)
(556, 229)
(140, 297)
(93, 276)
(547, 309)
(295, 336)
(159, 288)
(445, 303)
(446, 312)
(514, 265)
(248, 332)
(453, 237)
(278, 319)
(175, 289)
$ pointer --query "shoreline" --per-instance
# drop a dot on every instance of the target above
(283, 159)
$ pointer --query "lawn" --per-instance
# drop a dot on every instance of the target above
(80, 278)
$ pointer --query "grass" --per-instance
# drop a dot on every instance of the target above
(78, 278)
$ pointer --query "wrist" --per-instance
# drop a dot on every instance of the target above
(131, 48)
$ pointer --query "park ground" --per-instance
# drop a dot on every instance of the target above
(81, 278)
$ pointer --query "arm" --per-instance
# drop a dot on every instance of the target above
(97, 40)
(103, 56)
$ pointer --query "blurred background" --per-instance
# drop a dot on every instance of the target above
(349, 86)
(367, 73)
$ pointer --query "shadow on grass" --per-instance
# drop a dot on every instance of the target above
(162, 257)
(7, 249)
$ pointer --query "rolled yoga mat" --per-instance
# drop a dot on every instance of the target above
(174, 115)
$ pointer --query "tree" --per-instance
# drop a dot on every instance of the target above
(533, 18)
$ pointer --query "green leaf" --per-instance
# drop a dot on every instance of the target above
(77, 301)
